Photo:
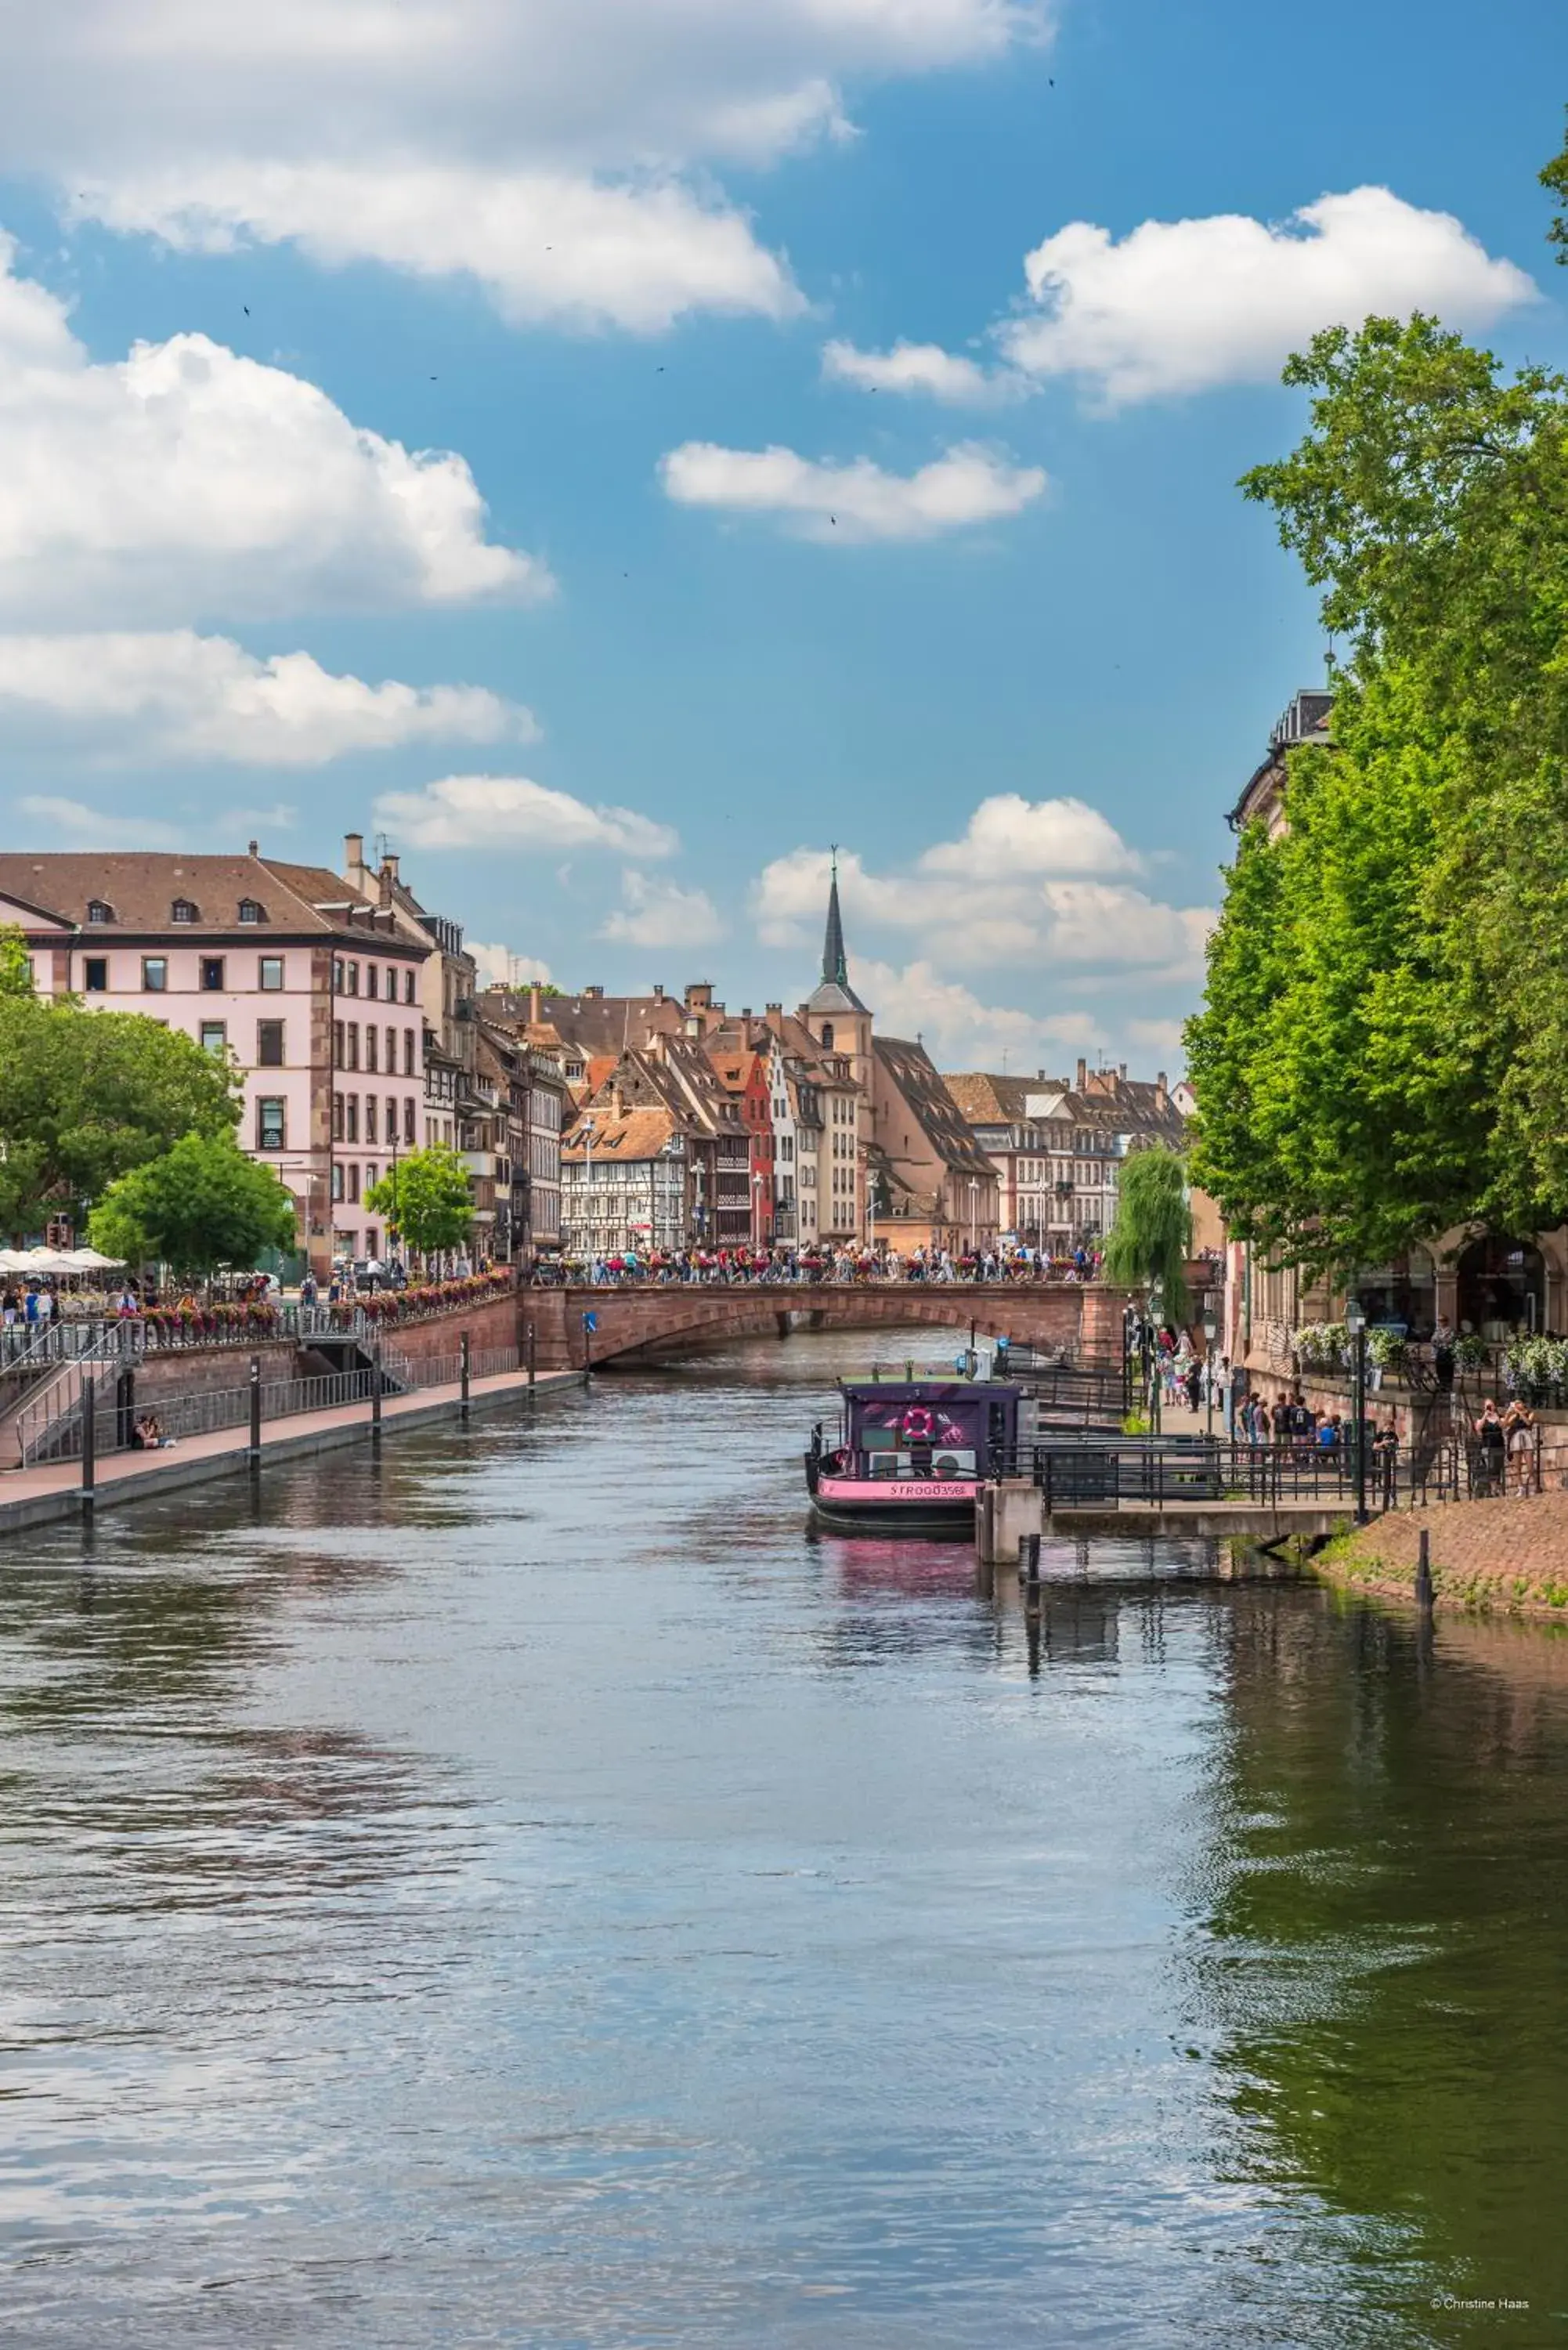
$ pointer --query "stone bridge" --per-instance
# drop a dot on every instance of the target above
(1084, 1319)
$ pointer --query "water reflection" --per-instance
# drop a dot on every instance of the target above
(532, 1890)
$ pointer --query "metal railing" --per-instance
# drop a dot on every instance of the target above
(1154, 1473)
(56, 1432)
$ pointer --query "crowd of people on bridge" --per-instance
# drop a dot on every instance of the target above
(1016, 1266)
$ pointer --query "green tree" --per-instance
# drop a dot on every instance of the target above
(199, 1205)
(1392, 1058)
(87, 1096)
(15, 962)
(427, 1198)
(1151, 1238)
(1554, 177)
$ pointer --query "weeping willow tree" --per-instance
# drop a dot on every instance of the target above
(1151, 1239)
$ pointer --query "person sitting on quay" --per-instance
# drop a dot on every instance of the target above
(148, 1436)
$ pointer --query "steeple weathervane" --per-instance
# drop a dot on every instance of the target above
(834, 967)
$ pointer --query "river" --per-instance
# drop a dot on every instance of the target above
(531, 1891)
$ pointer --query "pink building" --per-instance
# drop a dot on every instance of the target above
(312, 989)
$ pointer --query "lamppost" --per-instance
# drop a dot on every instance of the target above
(974, 1215)
(1355, 1323)
(757, 1182)
(1155, 1319)
(1208, 1337)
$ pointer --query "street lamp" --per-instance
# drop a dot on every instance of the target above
(974, 1215)
(1355, 1323)
(757, 1181)
(1209, 1330)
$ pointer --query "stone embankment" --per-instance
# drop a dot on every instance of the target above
(1509, 1557)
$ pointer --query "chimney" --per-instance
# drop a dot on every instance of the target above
(535, 1002)
(353, 852)
(594, 994)
(1083, 1076)
(1159, 1088)
(700, 996)
(657, 992)
(253, 848)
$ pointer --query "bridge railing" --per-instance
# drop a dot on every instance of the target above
(1155, 1472)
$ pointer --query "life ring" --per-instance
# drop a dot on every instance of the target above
(919, 1424)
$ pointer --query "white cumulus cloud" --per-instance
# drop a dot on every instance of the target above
(544, 245)
(466, 135)
(1182, 305)
(857, 501)
(510, 812)
(661, 914)
(923, 368)
(1031, 882)
(501, 966)
(959, 1028)
(125, 695)
(49, 818)
(185, 479)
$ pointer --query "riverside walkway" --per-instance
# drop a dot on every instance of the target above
(54, 1491)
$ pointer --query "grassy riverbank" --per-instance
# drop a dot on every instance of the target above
(1507, 1556)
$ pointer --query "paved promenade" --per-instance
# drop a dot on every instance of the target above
(33, 1497)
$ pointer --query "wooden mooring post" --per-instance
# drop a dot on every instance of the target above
(255, 1450)
(1424, 1594)
(464, 1361)
(89, 1443)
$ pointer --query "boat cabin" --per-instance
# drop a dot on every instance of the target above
(919, 1429)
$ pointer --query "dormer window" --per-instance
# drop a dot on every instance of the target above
(181, 910)
(250, 910)
(98, 912)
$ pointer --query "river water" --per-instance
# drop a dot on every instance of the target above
(535, 1892)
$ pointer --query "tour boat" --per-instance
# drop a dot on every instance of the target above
(912, 1454)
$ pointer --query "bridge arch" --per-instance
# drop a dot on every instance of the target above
(644, 1320)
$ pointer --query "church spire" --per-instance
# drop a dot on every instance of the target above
(834, 968)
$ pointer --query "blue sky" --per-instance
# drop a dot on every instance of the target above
(613, 676)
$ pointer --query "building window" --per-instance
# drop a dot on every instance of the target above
(154, 974)
(269, 974)
(408, 987)
(353, 1118)
(269, 1045)
(370, 1135)
(98, 912)
(369, 1186)
(409, 1121)
(212, 974)
(408, 1052)
(337, 1043)
(371, 1047)
(354, 1184)
(370, 972)
(94, 975)
(336, 1118)
(337, 1182)
(215, 1036)
(353, 979)
(390, 1129)
(353, 1044)
(269, 1122)
(250, 910)
(392, 1052)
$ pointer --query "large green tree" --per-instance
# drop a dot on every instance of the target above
(87, 1096)
(1151, 1239)
(199, 1205)
(1383, 1049)
(427, 1198)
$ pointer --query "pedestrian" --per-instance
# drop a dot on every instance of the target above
(1519, 1432)
(1493, 1441)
